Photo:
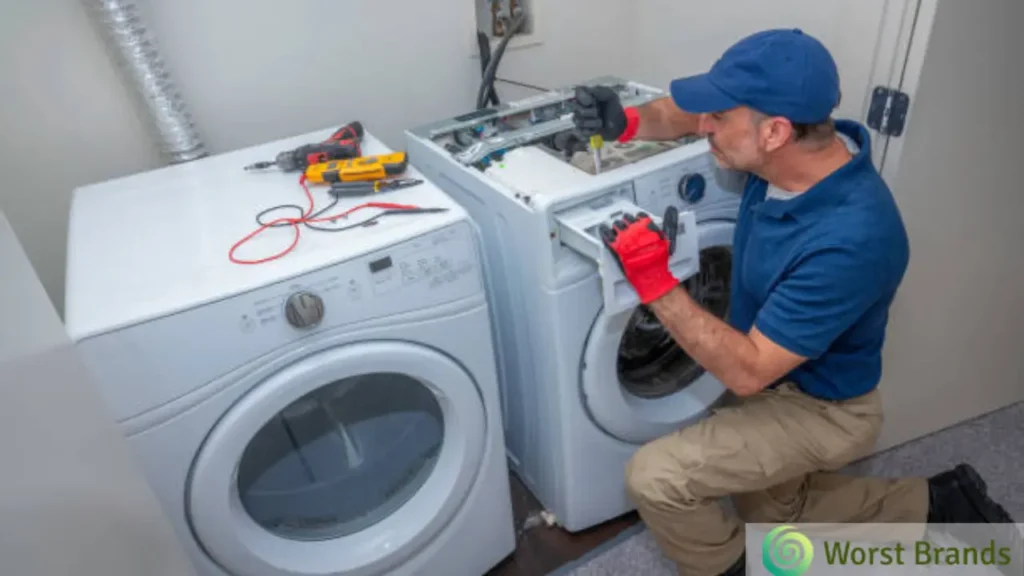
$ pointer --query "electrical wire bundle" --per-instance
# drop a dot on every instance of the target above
(490, 63)
(310, 219)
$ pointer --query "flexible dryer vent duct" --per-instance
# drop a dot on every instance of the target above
(120, 22)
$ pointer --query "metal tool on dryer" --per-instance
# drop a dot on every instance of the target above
(368, 188)
(596, 143)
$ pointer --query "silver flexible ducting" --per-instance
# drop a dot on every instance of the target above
(121, 24)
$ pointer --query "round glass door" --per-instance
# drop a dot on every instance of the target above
(341, 458)
(351, 459)
(637, 382)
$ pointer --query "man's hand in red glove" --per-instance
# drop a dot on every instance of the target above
(642, 250)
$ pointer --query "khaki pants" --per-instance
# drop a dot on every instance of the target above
(775, 454)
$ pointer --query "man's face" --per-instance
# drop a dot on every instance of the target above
(738, 138)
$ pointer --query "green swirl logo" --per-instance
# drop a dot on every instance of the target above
(786, 552)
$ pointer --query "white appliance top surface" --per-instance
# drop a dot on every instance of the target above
(154, 243)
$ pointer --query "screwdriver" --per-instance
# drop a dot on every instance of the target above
(596, 142)
(368, 187)
(342, 145)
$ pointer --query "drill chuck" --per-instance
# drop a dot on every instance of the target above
(289, 161)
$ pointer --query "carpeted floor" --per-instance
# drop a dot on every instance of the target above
(992, 444)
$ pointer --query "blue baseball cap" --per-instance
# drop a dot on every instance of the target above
(778, 72)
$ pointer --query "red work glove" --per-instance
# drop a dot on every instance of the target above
(642, 251)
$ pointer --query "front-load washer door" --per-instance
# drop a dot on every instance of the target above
(346, 462)
(637, 383)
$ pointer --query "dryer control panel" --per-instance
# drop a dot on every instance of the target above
(417, 275)
(689, 185)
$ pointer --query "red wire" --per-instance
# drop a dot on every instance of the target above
(296, 222)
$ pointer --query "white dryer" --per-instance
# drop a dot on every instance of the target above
(589, 374)
(334, 411)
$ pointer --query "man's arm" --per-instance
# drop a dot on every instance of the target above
(663, 120)
(811, 306)
(744, 363)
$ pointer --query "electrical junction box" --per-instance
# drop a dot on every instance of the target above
(494, 18)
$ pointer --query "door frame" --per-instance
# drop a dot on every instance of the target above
(235, 541)
(887, 55)
(915, 35)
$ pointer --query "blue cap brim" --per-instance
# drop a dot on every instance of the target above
(697, 95)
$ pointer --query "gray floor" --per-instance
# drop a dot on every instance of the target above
(993, 444)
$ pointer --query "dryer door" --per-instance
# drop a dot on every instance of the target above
(346, 462)
(637, 383)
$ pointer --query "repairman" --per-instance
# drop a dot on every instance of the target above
(819, 252)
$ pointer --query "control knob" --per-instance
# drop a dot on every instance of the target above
(691, 188)
(304, 310)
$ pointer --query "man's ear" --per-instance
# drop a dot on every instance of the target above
(775, 132)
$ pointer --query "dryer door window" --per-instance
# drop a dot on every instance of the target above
(341, 458)
(638, 384)
(349, 460)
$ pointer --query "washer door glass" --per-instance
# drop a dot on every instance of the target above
(347, 461)
(341, 458)
(637, 382)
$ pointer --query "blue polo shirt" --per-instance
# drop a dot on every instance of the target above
(816, 273)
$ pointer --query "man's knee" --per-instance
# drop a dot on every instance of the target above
(712, 458)
(655, 474)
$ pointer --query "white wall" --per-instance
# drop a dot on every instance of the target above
(957, 325)
(676, 38)
(279, 71)
(73, 500)
(66, 120)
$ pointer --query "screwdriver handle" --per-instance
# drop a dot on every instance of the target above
(670, 226)
(350, 189)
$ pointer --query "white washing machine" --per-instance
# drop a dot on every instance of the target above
(589, 374)
(334, 411)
